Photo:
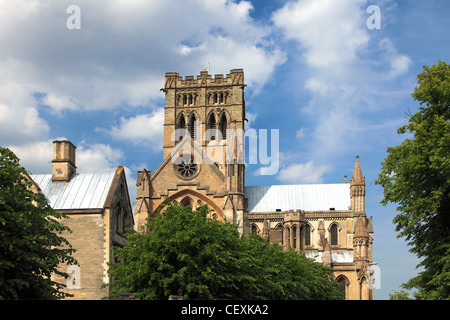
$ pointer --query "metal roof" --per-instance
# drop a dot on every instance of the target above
(308, 197)
(83, 191)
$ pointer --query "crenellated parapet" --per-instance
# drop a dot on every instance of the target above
(174, 80)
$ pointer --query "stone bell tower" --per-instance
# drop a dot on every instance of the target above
(203, 146)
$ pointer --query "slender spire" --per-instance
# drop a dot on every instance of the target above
(358, 178)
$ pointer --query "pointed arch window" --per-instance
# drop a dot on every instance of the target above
(119, 219)
(334, 235)
(288, 236)
(192, 129)
(186, 202)
(212, 127)
(181, 124)
(223, 126)
(281, 229)
(294, 235)
(307, 231)
(342, 285)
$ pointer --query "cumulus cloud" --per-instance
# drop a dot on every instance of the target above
(342, 77)
(145, 128)
(123, 48)
(97, 157)
(300, 173)
(19, 117)
(35, 157)
(58, 102)
(329, 31)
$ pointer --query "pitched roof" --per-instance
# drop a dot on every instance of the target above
(308, 197)
(83, 191)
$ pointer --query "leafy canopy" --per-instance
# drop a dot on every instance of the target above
(416, 176)
(31, 247)
(188, 254)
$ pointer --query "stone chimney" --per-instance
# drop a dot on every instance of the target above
(63, 164)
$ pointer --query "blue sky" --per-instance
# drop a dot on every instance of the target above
(333, 87)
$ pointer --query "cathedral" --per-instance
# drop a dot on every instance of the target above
(203, 163)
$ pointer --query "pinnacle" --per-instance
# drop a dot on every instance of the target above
(358, 177)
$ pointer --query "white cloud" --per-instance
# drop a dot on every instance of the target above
(97, 157)
(145, 128)
(301, 173)
(346, 68)
(123, 48)
(19, 117)
(35, 157)
(330, 31)
(58, 102)
(399, 63)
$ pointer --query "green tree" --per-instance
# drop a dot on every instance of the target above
(399, 295)
(188, 254)
(416, 176)
(31, 247)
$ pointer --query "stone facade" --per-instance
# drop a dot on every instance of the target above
(202, 164)
(341, 239)
(99, 211)
(198, 167)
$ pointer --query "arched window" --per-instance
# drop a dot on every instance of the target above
(294, 234)
(192, 129)
(223, 126)
(342, 285)
(212, 127)
(307, 230)
(334, 235)
(254, 229)
(184, 99)
(215, 98)
(119, 219)
(288, 236)
(181, 124)
(281, 229)
(186, 202)
(221, 97)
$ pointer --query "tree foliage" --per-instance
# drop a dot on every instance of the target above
(190, 255)
(400, 295)
(416, 176)
(31, 246)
